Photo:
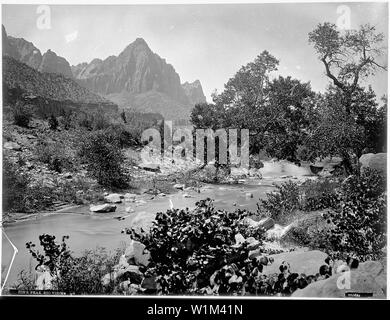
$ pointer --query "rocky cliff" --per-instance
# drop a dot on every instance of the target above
(137, 78)
(140, 79)
(194, 92)
(24, 51)
(52, 63)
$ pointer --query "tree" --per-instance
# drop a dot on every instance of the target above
(273, 111)
(53, 122)
(101, 152)
(22, 115)
(348, 57)
(350, 117)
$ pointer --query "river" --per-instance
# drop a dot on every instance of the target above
(87, 231)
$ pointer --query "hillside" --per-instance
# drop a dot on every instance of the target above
(137, 79)
(17, 75)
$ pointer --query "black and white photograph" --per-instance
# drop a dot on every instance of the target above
(196, 150)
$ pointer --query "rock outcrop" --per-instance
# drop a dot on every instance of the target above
(136, 70)
(348, 284)
(194, 92)
(137, 79)
(52, 63)
(25, 52)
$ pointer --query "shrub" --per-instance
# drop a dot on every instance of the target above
(283, 202)
(187, 248)
(101, 152)
(14, 187)
(19, 195)
(310, 196)
(77, 275)
(360, 221)
(53, 122)
(22, 115)
(67, 119)
(55, 155)
(319, 194)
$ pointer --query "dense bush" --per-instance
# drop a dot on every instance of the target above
(19, 195)
(56, 155)
(53, 122)
(101, 152)
(283, 202)
(310, 196)
(188, 247)
(319, 194)
(72, 274)
(22, 115)
(360, 221)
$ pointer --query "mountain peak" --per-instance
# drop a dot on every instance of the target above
(52, 63)
(194, 92)
(140, 41)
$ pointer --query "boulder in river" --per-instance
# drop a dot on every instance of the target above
(103, 208)
(113, 198)
(129, 197)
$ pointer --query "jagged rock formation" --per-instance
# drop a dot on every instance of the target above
(136, 70)
(24, 51)
(194, 92)
(56, 87)
(138, 79)
(52, 63)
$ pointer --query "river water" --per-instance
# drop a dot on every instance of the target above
(87, 231)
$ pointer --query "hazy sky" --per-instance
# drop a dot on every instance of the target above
(205, 42)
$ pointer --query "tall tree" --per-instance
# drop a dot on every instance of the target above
(349, 114)
(348, 56)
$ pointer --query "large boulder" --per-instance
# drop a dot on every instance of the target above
(377, 270)
(150, 167)
(265, 223)
(137, 254)
(103, 208)
(130, 197)
(131, 273)
(113, 198)
(375, 161)
(12, 146)
(308, 262)
(347, 284)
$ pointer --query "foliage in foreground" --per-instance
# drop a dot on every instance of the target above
(188, 247)
(195, 252)
(71, 274)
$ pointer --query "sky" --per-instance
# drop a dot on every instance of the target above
(208, 42)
